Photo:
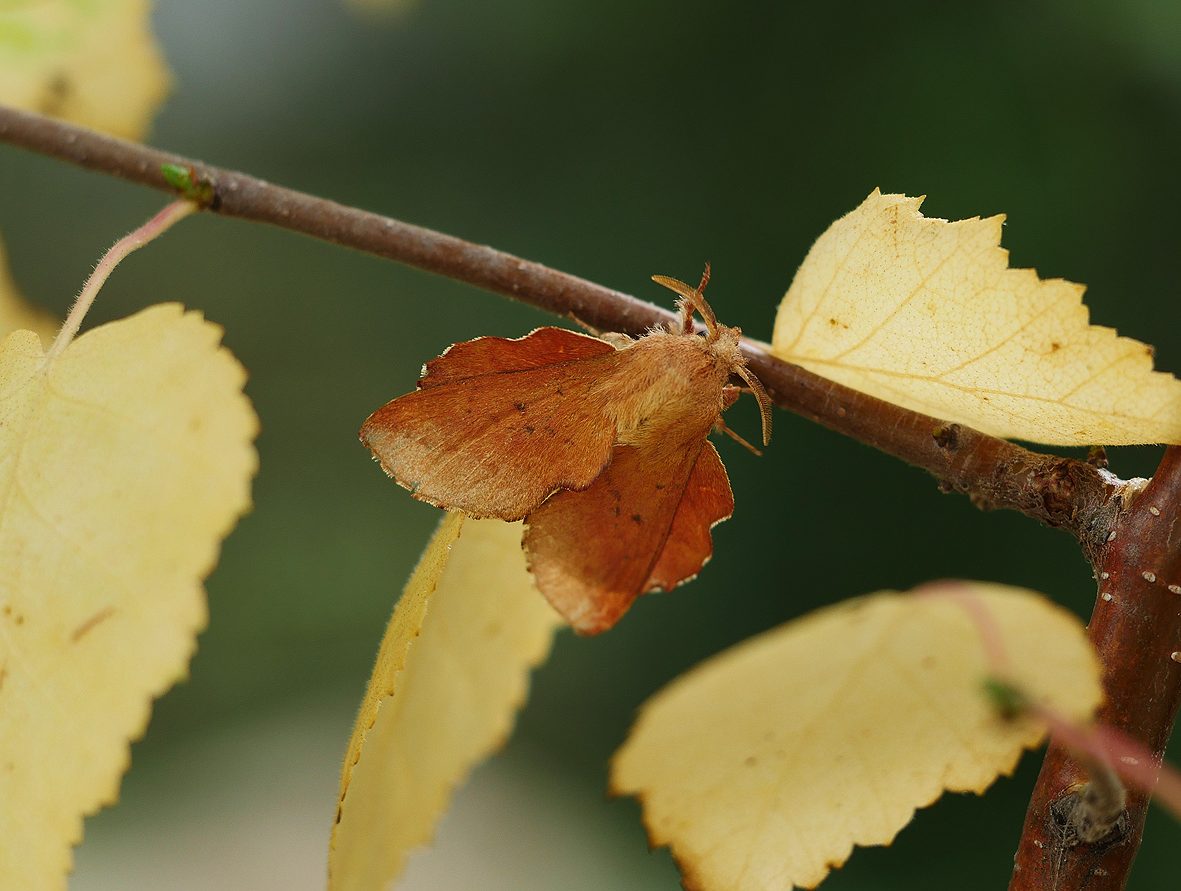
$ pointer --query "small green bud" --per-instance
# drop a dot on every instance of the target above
(178, 176)
(184, 179)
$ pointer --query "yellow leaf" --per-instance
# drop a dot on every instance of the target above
(94, 63)
(927, 314)
(764, 766)
(452, 671)
(123, 464)
(17, 313)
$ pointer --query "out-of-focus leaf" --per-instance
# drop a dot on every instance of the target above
(123, 464)
(927, 314)
(452, 671)
(764, 766)
(93, 62)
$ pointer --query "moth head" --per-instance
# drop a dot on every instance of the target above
(724, 337)
(692, 300)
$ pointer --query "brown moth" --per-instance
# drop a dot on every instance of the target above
(600, 446)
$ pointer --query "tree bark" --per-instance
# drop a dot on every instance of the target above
(1136, 627)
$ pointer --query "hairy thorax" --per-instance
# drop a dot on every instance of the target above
(671, 379)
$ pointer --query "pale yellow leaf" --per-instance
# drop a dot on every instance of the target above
(927, 314)
(93, 62)
(764, 766)
(17, 313)
(452, 671)
(123, 464)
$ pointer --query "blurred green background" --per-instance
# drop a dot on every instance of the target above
(612, 140)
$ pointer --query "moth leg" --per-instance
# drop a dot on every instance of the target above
(585, 326)
(615, 338)
(686, 309)
(721, 427)
(730, 395)
(761, 396)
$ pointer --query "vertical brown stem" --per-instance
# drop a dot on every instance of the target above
(1136, 626)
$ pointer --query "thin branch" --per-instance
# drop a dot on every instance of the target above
(1059, 492)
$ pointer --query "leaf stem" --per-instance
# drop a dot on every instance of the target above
(149, 231)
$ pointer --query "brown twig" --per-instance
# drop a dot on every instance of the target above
(1057, 491)
(1136, 627)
